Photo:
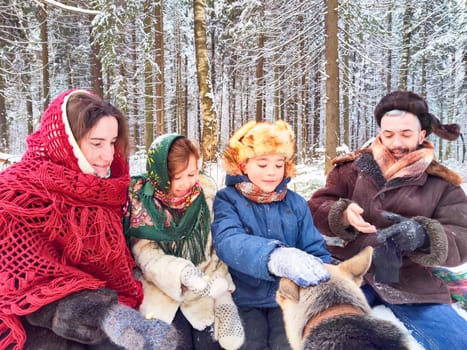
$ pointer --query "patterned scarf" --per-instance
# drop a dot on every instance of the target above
(180, 226)
(411, 165)
(255, 194)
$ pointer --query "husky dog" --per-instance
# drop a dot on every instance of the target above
(335, 315)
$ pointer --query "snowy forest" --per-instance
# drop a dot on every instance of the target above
(203, 67)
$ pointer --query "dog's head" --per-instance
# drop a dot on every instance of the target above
(299, 305)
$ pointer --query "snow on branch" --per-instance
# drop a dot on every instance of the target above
(70, 8)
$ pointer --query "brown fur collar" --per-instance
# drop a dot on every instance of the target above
(435, 168)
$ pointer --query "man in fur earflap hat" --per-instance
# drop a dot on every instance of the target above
(396, 197)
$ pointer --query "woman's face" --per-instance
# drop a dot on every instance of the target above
(183, 181)
(98, 145)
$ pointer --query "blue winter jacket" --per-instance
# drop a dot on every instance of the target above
(245, 233)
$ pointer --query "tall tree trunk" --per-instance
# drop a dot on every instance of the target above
(148, 80)
(405, 56)
(346, 88)
(135, 105)
(96, 66)
(209, 135)
(423, 81)
(180, 117)
(260, 78)
(4, 134)
(317, 106)
(160, 87)
(45, 57)
(185, 94)
(389, 53)
(332, 84)
(277, 99)
(213, 46)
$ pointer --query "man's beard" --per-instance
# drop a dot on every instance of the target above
(399, 152)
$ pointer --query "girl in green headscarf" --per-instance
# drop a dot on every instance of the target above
(168, 225)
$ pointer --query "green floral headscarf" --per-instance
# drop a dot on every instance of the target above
(181, 231)
(156, 164)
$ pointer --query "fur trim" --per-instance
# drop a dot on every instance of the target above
(260, 138)
(350, 157)
(438, 250)
(437, 169)
(335, 220)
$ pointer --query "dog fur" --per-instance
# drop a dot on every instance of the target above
(335, 315)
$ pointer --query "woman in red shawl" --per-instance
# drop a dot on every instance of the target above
(65, 271)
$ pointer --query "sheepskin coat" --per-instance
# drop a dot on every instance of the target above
(434, 199)
(163, 298)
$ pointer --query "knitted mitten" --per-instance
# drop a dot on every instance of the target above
(228, 328)
(77, 316)
(126, 327)
(200, 284)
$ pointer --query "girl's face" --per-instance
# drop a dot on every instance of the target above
(266, 171)
(183, 181)
(98, 144)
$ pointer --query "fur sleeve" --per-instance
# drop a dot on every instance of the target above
(438, 250)
(335, 218)
(159, 268)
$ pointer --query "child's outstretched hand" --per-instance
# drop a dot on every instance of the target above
(302, 268)
(202, 285)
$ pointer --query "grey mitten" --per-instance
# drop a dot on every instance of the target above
(406, 234)
(302, 268)
(77, 316)
(129, 329)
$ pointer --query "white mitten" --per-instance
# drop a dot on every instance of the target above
(299, 266)
(228, 328)
(200, 284)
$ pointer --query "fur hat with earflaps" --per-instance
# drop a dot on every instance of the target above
(411, 102)
(260, 138)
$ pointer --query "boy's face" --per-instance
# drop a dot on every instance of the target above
(266, 171)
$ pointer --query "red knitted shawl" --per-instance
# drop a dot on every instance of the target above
(60, 229)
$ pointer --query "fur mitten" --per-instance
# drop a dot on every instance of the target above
(77, 316)
(126, 327)
(228, 326)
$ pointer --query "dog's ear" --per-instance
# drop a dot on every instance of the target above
(358, 265)
(288, 290)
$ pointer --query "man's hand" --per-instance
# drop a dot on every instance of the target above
(353, 216)
(406, 234)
